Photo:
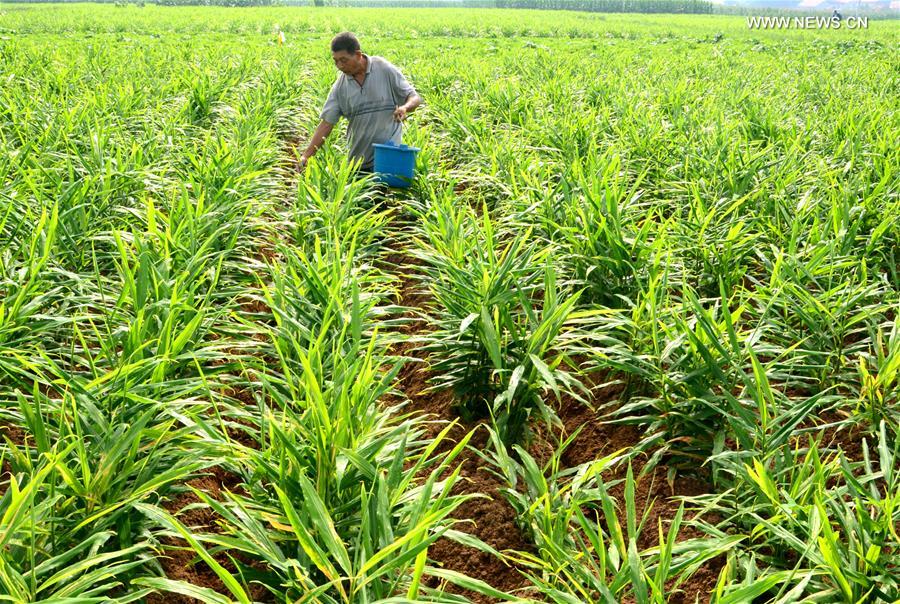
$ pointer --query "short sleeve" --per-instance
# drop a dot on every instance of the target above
(399, 85)
(331, 112)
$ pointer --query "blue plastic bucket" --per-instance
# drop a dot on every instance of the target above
(395, 165)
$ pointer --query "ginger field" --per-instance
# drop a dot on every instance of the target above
(631, 336)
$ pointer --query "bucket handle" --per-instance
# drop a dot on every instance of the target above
(397, 128)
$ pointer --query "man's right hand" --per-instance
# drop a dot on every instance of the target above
(322, 131)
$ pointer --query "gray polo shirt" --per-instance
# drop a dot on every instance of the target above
(368, 107)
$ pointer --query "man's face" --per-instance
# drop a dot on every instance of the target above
(348, 62)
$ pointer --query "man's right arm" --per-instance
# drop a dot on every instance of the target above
(319, 136)
(331, 113)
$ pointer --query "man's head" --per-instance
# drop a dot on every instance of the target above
(346, 53)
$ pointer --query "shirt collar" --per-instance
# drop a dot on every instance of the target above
(368, 68)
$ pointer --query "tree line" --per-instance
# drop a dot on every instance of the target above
(600, 6)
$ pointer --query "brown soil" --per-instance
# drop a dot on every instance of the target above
(180, 565)
(266, 254)
(844, 436)
(652, 491)
(14, 433)
(214, 483)
(243, 437)
(254, 306)
(17, 437)
(179, 561)
(699, 586)
(493, 519)
(292, 147)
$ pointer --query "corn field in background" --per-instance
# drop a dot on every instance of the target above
(704, 218)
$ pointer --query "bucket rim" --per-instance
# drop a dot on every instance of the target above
(396, 147)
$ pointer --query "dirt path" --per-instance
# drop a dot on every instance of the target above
(494, 520)
(178, 560)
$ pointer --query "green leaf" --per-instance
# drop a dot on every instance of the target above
(491, 340)
(171, 522)
(468, 321)
(183, 588)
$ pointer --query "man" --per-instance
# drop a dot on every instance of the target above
(372, 94)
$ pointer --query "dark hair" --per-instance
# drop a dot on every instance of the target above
(345, 41)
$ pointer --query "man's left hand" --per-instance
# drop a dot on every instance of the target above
(400, 113)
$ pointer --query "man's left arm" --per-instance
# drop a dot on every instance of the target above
(412, 101)
(404, 90)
